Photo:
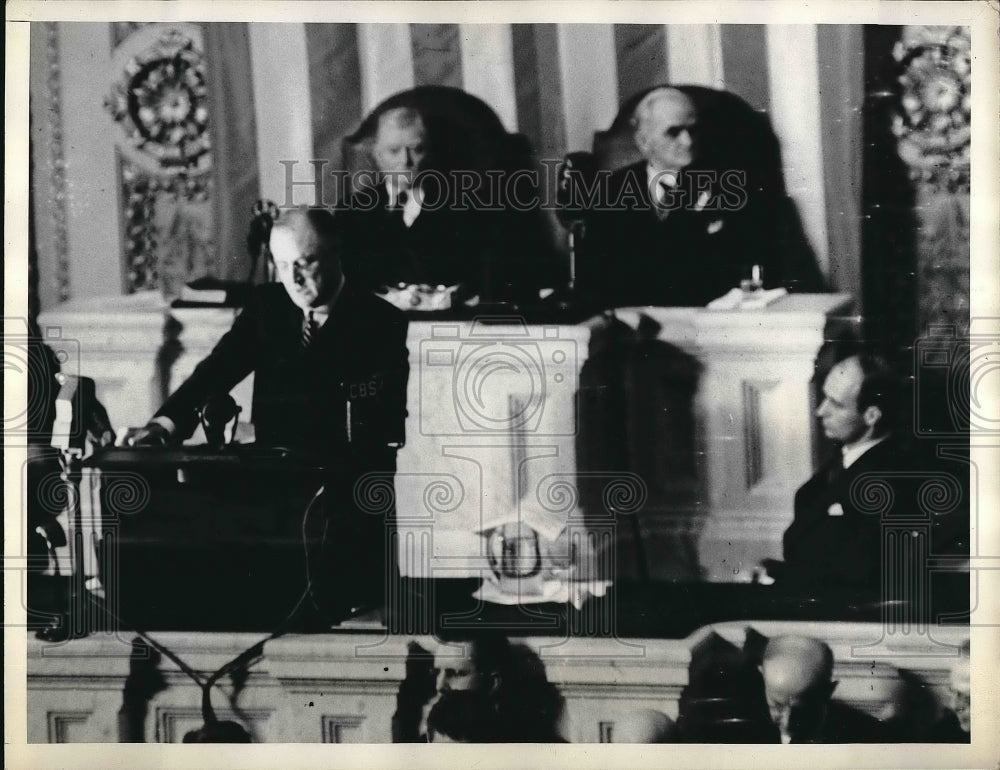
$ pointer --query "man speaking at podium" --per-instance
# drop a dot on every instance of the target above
(330, 370)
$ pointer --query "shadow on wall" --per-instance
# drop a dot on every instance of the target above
(636, 407)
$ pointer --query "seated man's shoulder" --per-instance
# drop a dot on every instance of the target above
(264, 299)
(628, 175)
(374, 309)
(847, 724)
(272, 291)
(889, 453)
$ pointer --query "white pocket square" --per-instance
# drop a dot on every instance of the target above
(835, 510)
(714, 226)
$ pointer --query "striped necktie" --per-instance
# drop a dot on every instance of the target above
(309, 327)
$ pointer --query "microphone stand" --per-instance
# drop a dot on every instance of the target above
(577, 170)
(264, 214)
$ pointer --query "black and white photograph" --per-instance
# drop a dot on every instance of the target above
(509, 373)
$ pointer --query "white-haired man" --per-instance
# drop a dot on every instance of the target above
(659, 231)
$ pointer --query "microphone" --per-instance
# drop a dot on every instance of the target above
(215, 416)
(264, 212)
(578, 170)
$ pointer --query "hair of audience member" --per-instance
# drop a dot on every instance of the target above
(879, 388)
(645, 105)
(529, 704)
(489, 651)
(526, 705)
(802, 646)
(642, 726)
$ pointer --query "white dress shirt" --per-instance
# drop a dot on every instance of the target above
(852, 453)
(411, 207)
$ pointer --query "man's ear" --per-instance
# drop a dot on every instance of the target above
(871, 416)
(641, 141)
(493, 683)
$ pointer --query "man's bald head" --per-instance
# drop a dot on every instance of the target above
(798, 683)
(643, 726)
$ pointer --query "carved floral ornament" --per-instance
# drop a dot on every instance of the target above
(160, 101)
(934, 124)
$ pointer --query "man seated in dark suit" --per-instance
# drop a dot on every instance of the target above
(835, 541)
(661, 231)
(330, 368)
(404, 228)
(798, 685)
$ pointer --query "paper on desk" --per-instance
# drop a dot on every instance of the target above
(558, 591)
(734, 299)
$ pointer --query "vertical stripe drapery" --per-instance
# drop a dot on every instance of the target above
(557, 84)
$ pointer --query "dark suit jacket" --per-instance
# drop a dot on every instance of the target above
(846, 724)
(300, 401)
(632, 257)
(300, 396)
(489, 249)
(440, 247)
(844, 550)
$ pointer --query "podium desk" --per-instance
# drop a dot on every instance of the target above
(197, 539)
(499, 421)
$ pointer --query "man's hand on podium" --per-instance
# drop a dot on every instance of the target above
(768, 571)
(151, 434)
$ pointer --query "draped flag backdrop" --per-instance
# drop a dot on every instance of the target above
(291, 92)
(558, 84)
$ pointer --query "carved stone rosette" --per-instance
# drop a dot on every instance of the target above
(160, 107)
(933, 126)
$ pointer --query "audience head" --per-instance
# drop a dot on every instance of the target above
(960, 686)
(665, 124)
(642, 726)
(305, 248)
(798, 683)
(859, 399)
(400, 146)
(477, 662)
(505, 680)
